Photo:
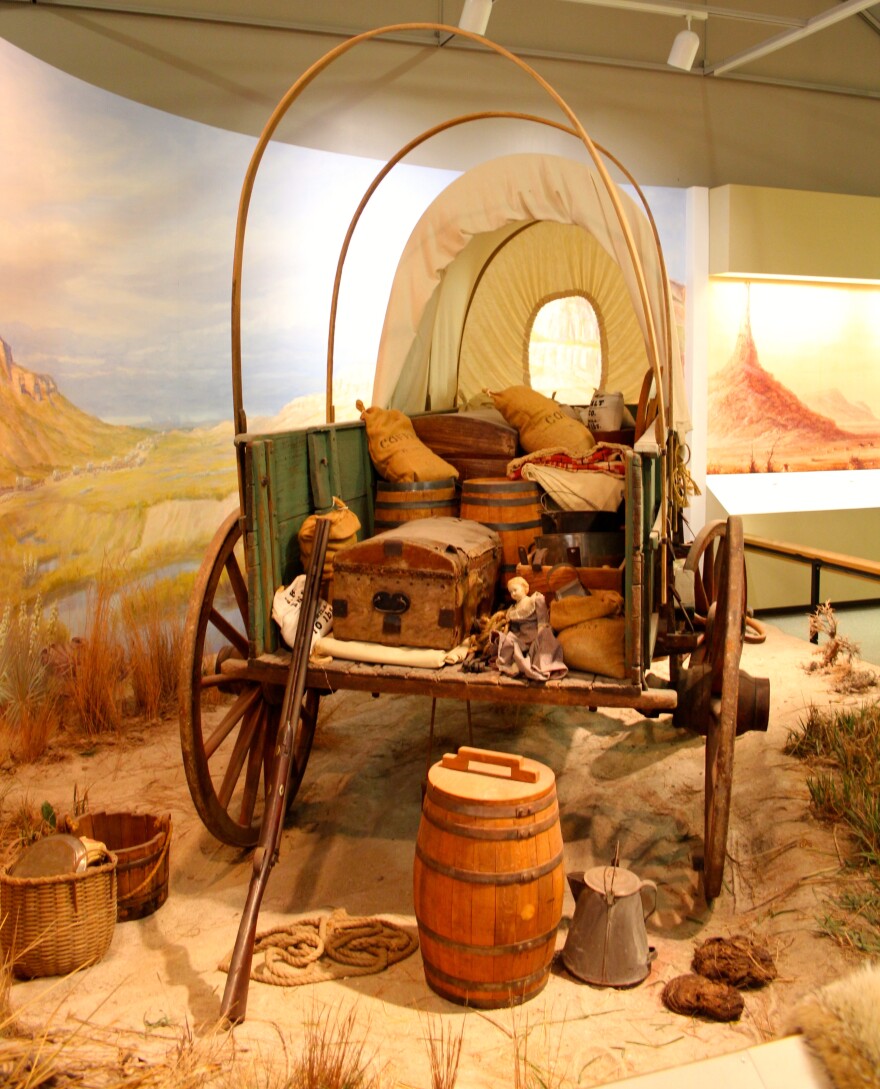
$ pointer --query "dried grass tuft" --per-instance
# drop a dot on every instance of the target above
(444, 1051)
(332, 1055)
(94, 686)
(30, 705)
(153, 640)
(541, 1072)
(843, 745)
(838, 655)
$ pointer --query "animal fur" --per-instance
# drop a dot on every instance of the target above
(841, 1024)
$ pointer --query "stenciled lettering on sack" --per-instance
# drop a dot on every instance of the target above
(554, 417)
(388, 440)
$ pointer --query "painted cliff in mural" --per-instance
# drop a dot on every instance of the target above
(757, 422)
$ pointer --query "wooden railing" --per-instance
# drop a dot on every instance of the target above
(817, 558)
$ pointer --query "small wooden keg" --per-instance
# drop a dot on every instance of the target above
(488, 877)
(141, 843)
(512, 508)
(408, 501)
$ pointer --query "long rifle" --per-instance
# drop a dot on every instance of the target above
(234, 1004)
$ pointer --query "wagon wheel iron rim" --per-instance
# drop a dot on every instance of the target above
(228, 750)
(721, 652)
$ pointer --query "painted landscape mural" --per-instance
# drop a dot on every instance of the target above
(800, 392)
(116, 234)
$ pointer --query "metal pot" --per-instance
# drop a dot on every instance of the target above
(607, 941)
(593, 549)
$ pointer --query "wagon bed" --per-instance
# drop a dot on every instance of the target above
(231, 697)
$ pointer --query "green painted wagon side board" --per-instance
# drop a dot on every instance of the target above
(339, 465)
(634, 600)
(289, 476)
(276, 501)
(650, 508)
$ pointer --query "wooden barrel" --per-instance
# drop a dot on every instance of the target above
(512, 508)
(488, 877)
(141, 844)
(406, 501)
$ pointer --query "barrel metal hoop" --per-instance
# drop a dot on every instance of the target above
(511, 986)
(415, 485)
(485, 501)
(525, 946)
(476, 877)
(502, 527)
(504, 486)
(416, 504)
(490, 812)
(469, 831)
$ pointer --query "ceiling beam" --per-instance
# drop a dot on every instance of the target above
(692, 11)
(787, 37)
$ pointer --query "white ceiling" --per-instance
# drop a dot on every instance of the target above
(227, 62)
(843, 56)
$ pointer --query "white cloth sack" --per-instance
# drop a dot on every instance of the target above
(604, 412)
(286, 607)
(585, 490)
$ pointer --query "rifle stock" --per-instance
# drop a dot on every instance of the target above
(234, 1004)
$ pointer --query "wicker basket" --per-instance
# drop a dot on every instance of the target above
(141, 843)
(51, 926)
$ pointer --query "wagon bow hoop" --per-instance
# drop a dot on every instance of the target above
(652, 345)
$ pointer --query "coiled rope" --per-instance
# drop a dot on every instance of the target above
(326, 947)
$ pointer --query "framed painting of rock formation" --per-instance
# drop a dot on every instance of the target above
(794, 380)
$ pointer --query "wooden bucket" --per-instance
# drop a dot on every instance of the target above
(512, 508)
(488, 877)
(141, 844)
(408, 501)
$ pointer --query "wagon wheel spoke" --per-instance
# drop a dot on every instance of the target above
(230, 720)
(228, 728)
(252, 777)
(234, 636)
(239, 586)
(240, 751)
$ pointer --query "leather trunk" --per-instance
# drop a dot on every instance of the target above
(421, 584)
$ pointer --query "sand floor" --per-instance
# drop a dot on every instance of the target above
(621, 779)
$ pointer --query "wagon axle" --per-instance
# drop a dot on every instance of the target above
(697, 703)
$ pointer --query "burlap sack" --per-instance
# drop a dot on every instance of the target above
(566, 611)
(595, 646)
(344, 524)
(397, 452)
(540, 421)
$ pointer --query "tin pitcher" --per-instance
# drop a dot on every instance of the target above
(607, 942)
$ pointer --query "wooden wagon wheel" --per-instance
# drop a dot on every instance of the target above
(719, 652)
(704, 559)
(228, 730)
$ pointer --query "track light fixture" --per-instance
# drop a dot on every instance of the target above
(684, 49)
(475, 16)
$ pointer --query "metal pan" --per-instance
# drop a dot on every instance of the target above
(594, 549)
